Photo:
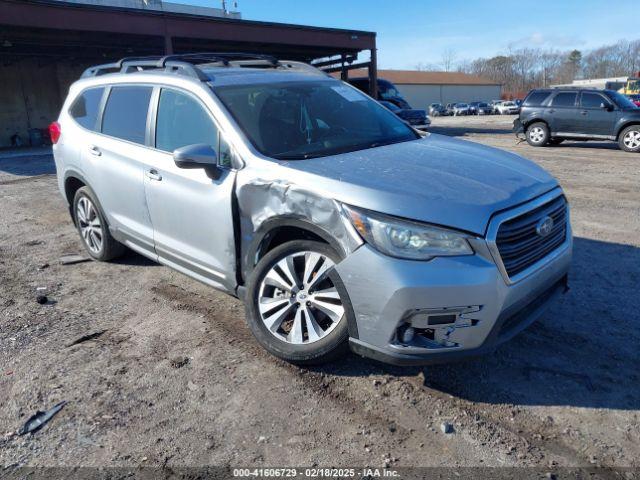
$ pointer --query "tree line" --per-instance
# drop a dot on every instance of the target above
(521, 69)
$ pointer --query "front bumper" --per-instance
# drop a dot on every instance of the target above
(388, 294)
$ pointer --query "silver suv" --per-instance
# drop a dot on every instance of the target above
(335, 222)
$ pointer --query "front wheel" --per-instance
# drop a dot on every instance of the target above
(629, 139)
(537, 134)
(296, 304)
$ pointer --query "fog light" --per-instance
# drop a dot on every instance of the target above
(407, 334)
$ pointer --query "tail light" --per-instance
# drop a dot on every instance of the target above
(54, 132)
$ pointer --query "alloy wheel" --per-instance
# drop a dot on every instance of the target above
(632, 139)
(90, 225)
(536, 134)
(297, 301)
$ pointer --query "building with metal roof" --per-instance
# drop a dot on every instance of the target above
(421, 88)
(46, 44)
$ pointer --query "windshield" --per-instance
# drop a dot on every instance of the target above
(483, 105)
(298, 120)
(461, 105)
(387, 90)
(621, 100)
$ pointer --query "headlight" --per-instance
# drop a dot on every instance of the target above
(405, 239)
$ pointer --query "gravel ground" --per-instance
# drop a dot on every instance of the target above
(170, 375)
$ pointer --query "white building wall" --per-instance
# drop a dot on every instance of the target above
(421, 96)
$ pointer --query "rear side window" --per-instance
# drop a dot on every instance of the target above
(182, 121)
(85, 109)
(564, 99)
(535, 99)
(592, 100)
(125, 115)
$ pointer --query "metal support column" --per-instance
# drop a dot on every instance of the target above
(168, 45)
(373, 74)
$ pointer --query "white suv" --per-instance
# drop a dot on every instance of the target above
(336, 222)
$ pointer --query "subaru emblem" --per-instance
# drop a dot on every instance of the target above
(544, 226)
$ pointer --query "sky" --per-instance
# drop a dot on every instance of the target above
(412, 32)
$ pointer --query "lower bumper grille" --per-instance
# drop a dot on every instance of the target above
(528, 238)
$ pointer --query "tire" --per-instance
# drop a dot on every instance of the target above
(275, 327)
(629, 139)
(555, 141)
(538, 134)
(93, 228)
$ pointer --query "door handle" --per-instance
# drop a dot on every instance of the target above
(93, 150)
(551, 110)
(154, 175)
(583, 112)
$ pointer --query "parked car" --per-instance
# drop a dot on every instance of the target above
(335, 222)
(483, 108)
(437, 109)
(507, 108)
(548, 117)
(386, 91)
(461, 109)
(494, 106)
(449, 108)
(635, 99)
(416, 118)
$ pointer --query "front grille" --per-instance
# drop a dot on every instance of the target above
(519, 243)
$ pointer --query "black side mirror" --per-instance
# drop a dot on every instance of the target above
(199, 155)
(606, 106)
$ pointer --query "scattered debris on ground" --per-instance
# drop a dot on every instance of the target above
(72, 259)
(40, 419)
(86, 338)
(179, 362)
(446, 427)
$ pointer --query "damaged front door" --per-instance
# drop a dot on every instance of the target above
(191, 209)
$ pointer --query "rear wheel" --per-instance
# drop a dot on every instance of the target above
(537, 134)
(296, 305)
(92, 227)
(629, 139)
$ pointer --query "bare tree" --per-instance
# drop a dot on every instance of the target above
(522, 69)
(449, 56)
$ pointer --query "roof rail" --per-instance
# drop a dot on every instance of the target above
(186, 63)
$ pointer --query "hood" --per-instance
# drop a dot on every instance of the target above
(436, 179)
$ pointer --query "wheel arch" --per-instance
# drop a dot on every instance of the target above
(73, 181)
(531, 121)
(276, 231)
(625, 125)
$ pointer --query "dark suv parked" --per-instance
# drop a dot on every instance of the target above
(387, 91)
(554, 115)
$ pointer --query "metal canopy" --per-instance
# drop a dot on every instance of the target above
(53, 28)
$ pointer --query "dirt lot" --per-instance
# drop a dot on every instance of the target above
(172, 376)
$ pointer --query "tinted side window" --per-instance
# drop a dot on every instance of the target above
(125, 115)
(564, 99)
(85, 109)
(535, 99)
(592, 100)
(182, 121)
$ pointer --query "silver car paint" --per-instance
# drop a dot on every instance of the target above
(435, 179)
